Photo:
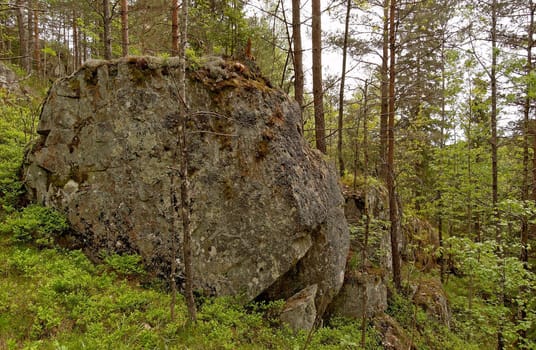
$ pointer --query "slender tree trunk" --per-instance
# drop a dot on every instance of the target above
(31, 39)
(37, 46)
(298, 53)
(526, 121)
(469, 169)
(441, 146)
(393, 208)
(106, 34)
(173, 233)
(493, 141)
(174, 28)
(289, 54)
(76, 44)
(23, 35)
(494, 170)
(185, 183)
(318, 93)
(340, 123)
(84, 48)
(124, 28)
(366, 213)
(525, 228)
(384, 91)
(356, 148)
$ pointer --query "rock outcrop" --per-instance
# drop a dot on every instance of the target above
(267, 210)
(431, 297)
(365, 289)
(8, 78)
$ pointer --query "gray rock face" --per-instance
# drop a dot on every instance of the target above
(350, 302)
(267, 210)
(300, 310)
(7, 78)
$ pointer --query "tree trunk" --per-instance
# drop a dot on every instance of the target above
(318, 93)
(526, 121)
(340, 123)
(124, 28)
(76, 44)
(298, 53)
(185, 183)
(393, 208)
(493, 141)
(23, 35)
(441, 146)
(174, 28)
(365, 212)
(384, 91)
(525, 227)
(37, 46)
(106, 34)
(31, 39)
(494, 171)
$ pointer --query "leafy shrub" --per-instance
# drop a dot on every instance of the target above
(35, 223)
(17, 128)
(127, 264)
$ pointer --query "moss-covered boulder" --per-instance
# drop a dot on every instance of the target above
(267, 211)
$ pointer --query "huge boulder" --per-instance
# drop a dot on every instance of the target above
(267, 212)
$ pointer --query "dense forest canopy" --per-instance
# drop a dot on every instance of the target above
(434, 105)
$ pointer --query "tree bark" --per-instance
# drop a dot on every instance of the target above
(493, 141)
(174, 28)
(31, 38)
(393, 207)
(106, 34)
(318, 93)
(384, 91)
(124, 28)
(37, 46)
(494, 170)
(526, 121)
(440, 258)
(298, 53)
(23, 35)
(366, 213)
(76, 44)
(340, 123)
(185, 184)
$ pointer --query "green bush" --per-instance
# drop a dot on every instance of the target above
(126, 265)
(35, 223)
(17, 128)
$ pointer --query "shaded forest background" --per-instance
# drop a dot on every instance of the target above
(434, 110)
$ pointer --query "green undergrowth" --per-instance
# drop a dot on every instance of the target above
(423, 331)
(53, 298)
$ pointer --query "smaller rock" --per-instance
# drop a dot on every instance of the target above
(7, 78)
(300, 311)
(394, 336)
(350, 302)
(431, 297)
